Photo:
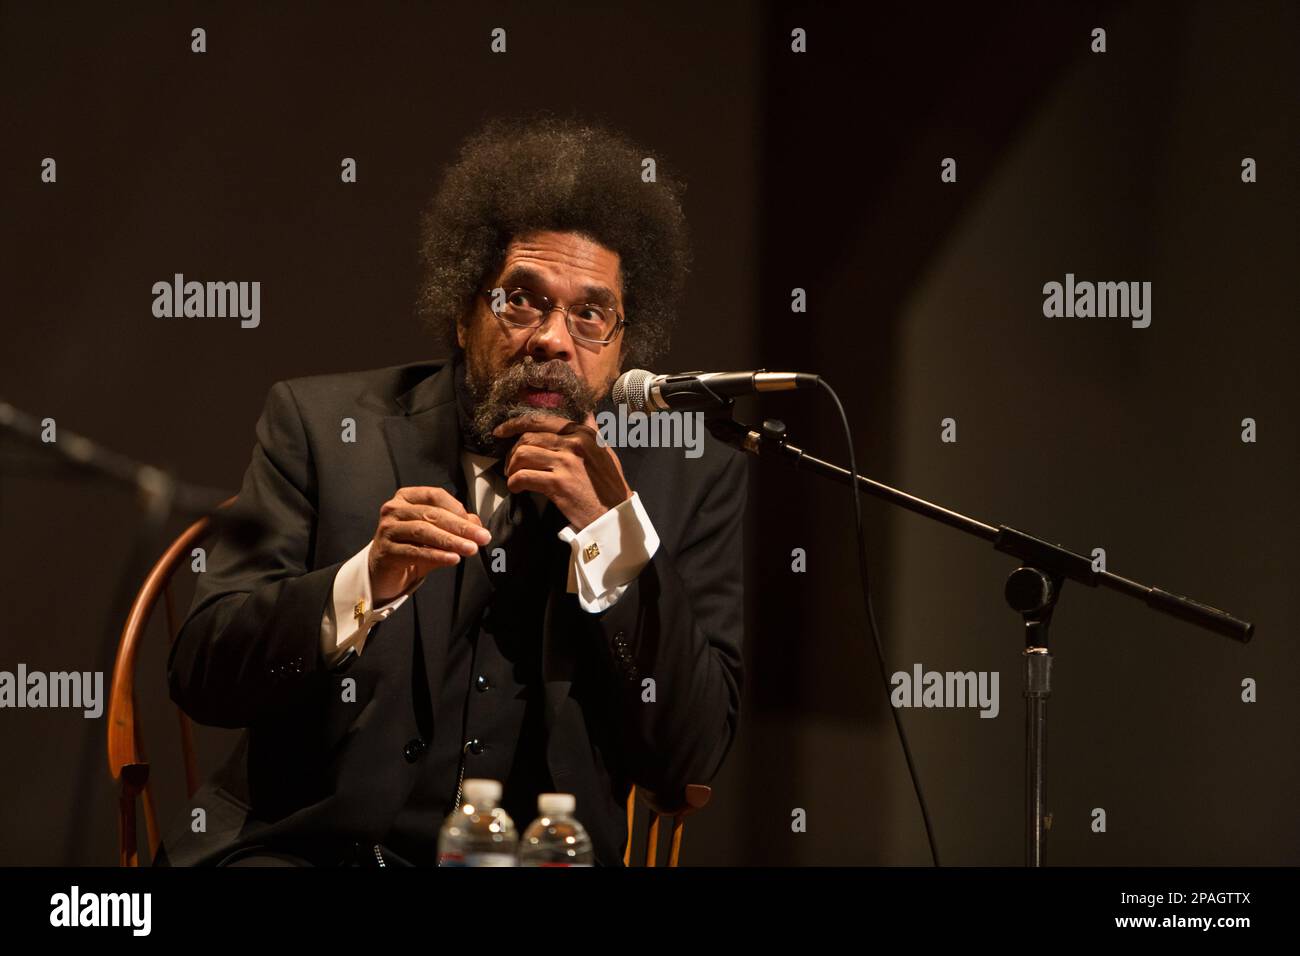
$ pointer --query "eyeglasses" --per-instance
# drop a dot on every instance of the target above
(526, 309)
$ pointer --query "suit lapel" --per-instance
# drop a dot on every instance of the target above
(424, 446)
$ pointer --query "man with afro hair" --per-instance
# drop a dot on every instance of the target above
(476, 587)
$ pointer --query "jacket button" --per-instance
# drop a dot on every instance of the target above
(414, 750)
(481, 683)
(474, 746)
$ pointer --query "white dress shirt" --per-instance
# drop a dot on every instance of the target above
(606, 556)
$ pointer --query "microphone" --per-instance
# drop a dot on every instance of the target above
(643, 391)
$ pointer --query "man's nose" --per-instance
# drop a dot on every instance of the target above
(551, 339)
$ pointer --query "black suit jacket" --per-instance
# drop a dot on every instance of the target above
(315, 774)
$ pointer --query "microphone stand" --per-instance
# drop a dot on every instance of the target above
(1031, 590)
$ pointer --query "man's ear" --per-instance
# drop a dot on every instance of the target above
(460, 332)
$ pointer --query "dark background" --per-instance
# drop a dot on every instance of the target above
(818, 171)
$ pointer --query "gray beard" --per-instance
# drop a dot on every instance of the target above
(496, 400)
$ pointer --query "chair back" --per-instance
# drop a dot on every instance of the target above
(128, 761)
(694, 797)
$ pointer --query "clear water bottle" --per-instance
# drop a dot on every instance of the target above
(480, 832)
(555, 838)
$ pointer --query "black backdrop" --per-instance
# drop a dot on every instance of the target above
(819, 171)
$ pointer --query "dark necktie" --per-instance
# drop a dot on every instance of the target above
(529, 538)
(514, 527)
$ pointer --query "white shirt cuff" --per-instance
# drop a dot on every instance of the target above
(349, 616)
(609, 553)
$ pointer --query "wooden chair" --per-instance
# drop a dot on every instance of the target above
(127, 760)
(693, 798)
(129, 763)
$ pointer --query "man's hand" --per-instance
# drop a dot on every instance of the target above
(564, 461)
(420, 529)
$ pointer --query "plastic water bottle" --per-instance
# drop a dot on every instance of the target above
(480, 832)
(555, 838)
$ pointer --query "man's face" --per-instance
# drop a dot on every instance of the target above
(513, 371)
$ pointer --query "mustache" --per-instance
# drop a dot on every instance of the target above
(553, 376)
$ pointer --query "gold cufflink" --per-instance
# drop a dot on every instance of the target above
(590, 551)
(359, 609)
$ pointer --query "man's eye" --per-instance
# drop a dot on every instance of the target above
(590, 313)
(520, 300)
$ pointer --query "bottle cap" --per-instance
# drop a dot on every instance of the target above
(478, 791)
(556, 804)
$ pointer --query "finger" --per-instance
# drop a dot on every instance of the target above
(461, 527)
(545, 440)
(533, 457)
(438, 497)
(424, 559)
(467, 527)
(429, 535)
(533, 423)
(544, 482)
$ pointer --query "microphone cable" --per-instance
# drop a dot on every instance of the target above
(871, 616)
